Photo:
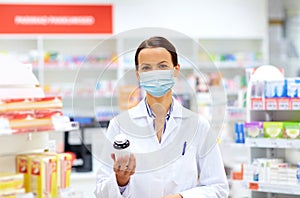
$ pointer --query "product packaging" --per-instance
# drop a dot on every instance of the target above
(275, 89)
(293, 87)
(64, 168)
(295, 103)
(284, 104)
(254, 129)
(271, 104)
(257, 104)
(40, 173)
(121, 145)
(273, 129)
(43, 176)
(291, 130)
(23, 166)
(12, 193)
(11, 181)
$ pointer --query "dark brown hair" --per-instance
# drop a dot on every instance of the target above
(154, 42)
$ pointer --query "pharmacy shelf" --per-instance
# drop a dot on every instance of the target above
(57, 127)
(33, 141)
(272, 143)
(230, 65)
(281, 188)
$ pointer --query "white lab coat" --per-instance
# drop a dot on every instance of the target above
(159, 175)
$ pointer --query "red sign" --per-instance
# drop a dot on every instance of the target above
(55, 19)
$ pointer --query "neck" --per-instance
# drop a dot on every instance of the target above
(160, 105)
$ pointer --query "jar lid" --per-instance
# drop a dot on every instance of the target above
(121, 142)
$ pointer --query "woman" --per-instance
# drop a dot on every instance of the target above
(179, 136)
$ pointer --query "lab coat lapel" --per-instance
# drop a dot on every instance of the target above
(172, 123)
(171, 128)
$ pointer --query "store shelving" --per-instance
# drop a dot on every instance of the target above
(59, 59)
(20, 94)
(271, 148)
(282, 188)
(273, 143)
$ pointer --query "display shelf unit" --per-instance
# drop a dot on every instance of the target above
(270, 147)
(18, 81)
(60, 60)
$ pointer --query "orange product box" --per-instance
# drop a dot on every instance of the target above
(48, 102)
(257, 104)
(12, 115)
(295, 103)
(64, 168)
(31, 124)
(23, 104)
(47, 113)
(284, 104)
(17, 104)
(271, 104)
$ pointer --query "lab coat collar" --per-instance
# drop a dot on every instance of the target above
(140, 110)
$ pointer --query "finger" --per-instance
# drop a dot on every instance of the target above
(113, 156)
(131, 166)
(124, 163)
(116, 167)
(132, 162)
(118, 164)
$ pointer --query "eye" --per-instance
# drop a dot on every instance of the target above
(164, 66)
(145, 67)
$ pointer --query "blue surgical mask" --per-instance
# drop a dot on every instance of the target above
(157, 82)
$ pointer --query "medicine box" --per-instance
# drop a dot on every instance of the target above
(273, 129)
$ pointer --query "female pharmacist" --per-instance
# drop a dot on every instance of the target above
(166, 140)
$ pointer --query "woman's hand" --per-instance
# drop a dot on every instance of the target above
(124, 167)
(173, 196)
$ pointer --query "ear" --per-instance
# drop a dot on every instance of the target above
(176, 70)
(137, 75)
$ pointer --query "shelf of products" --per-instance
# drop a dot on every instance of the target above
(271, 133)
(59, 62)
(27, 117)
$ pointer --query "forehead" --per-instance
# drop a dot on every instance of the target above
(154, 55)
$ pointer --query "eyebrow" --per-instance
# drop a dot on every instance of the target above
(146, 64)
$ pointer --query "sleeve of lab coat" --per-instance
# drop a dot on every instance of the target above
(106, 183)
(213, 182)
